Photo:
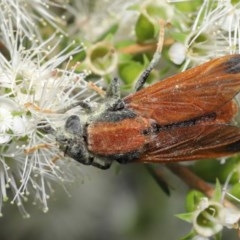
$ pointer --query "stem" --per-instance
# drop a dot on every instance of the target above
(191, 179)
(143, 48)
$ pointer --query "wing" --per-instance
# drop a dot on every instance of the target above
(190, 94)
(192, 143)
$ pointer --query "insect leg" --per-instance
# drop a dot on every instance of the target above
(82, 104)
(157, 175)
(155, 60)
(142, 79)
(102, 163)
(45, 128)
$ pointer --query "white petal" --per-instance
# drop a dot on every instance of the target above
(4, 138)
(231, 217)
(19, 125)
(177, 53)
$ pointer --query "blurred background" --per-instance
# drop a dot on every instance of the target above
(124, 202)
(127, 204)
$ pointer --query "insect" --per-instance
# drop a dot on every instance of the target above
(184, 117)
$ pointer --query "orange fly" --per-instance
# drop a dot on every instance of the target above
(184, 117)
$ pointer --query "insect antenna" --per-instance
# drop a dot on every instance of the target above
(114, 89)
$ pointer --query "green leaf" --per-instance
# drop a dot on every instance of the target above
(189, 236)
(187, 217)
(178, 36)
(235, 2)
(206, 169)
(210, 170)
(129, 71)
(218, 236)
(235, 191)
(157, 11)
(145, 60)
(188, 6)
(193, 199)
(227, 168)
(217, 195)
(144, 28)
(109, 32)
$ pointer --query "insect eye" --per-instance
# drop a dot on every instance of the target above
(73, 125)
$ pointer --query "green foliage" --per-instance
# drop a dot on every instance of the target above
(129, 71)
(210, 170)
(185, 217)
(189, 236)
(144, 28)
(217, 195)
(193, 199)
(235, 192)
(188, 7)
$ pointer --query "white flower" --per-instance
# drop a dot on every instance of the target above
(93, 19)
(231, 218)
(26, 14)
(5, 120)
(34, 90)
(211, 217)
(206, 221)
(215, 32)
(19, 125)
(197, 237)
(177, 53)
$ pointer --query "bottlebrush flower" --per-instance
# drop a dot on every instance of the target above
(27, 14)
(214, 32)
(34, 90)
